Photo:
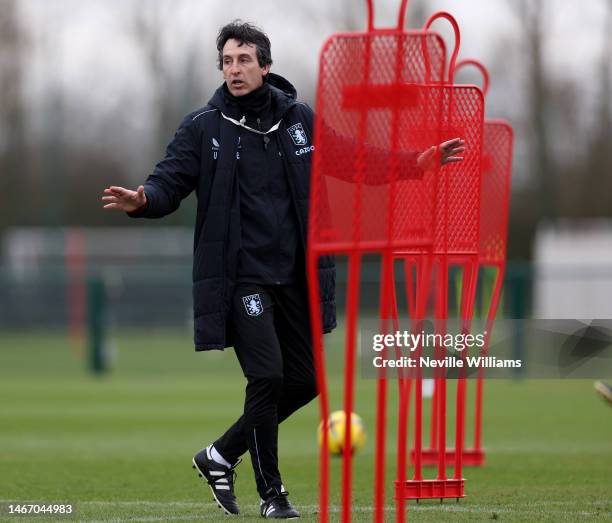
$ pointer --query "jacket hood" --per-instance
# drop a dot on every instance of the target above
(283, 92)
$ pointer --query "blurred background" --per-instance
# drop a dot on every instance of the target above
(91, 92)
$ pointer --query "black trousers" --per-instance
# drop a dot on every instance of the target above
(272, 341)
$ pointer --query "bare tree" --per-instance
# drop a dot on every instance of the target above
(173, 76)
(597, 186)
(532, 16)
(12, 118)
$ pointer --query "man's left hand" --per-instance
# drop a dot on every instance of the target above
(437, 156)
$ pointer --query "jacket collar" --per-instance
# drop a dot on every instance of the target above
(283, 94)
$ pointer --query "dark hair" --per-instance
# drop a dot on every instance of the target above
(245, 33)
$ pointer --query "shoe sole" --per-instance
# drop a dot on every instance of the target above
(203, 476)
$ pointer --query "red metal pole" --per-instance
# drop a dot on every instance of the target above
(388, 311)
(319, 360)
(401, 19)
(493, 306)
(381, 415)
(440, 413)
(404, 386)
(468, 292)
(451, 19)
(352, 310)
(423, 280)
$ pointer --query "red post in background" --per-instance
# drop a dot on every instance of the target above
(75, 261)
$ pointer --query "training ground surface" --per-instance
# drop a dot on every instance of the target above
(119, 446)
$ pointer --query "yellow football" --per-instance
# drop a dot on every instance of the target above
(336, 430)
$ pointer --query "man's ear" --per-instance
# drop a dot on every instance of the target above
(265, 70)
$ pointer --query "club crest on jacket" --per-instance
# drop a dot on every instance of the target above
(298, 135)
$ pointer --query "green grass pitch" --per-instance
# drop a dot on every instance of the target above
(119, 446)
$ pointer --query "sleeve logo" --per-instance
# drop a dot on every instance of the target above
(298, 135)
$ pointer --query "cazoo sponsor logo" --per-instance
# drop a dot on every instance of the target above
(304, 150)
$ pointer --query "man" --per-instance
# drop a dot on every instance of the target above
(249, 287)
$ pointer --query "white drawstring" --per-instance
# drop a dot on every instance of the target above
(241, 123)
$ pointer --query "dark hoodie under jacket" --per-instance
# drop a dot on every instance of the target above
(202, 157)
(270, 252)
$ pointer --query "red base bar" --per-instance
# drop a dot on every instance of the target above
(471, 457)
(430, 489)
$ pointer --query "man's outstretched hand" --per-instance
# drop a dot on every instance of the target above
(446, 152)
(124, 199)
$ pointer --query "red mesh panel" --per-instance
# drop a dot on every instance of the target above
(368, 131)
(459, 187)
(454, 111)
(372, 114)
(496, 173)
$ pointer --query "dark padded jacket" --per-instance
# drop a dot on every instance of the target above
(202, 158)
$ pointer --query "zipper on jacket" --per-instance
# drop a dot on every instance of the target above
(296, 209)
(266, 138)
(266, 141)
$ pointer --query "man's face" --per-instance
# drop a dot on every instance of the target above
(241, 70)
